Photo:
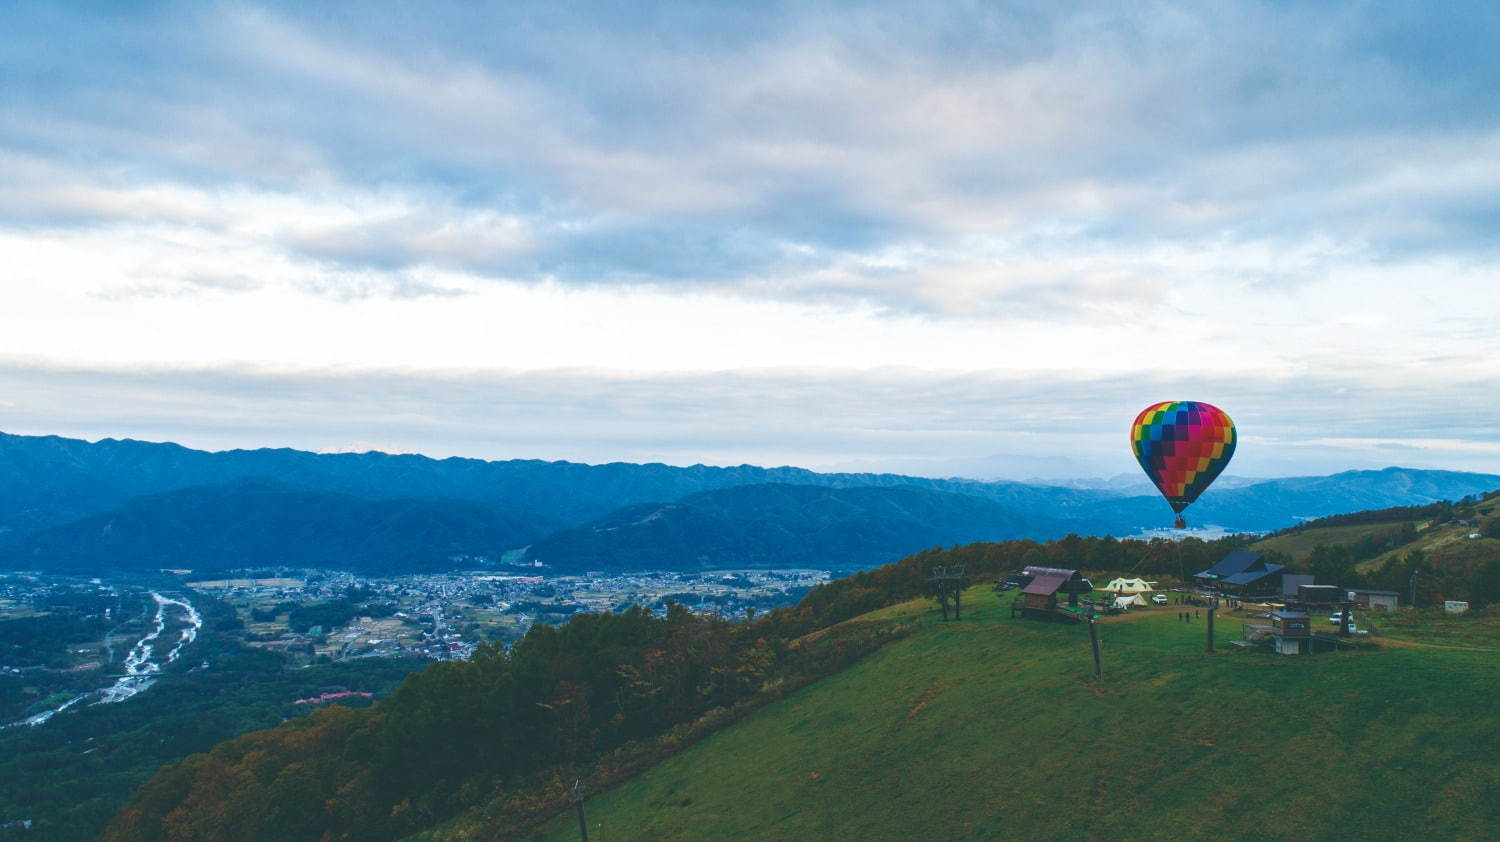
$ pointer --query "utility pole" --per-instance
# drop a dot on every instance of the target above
(1413, 581)
(960, 574)
(1212, 604)
(577, 798)
(1094, 641)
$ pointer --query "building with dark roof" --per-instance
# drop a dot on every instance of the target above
(1039, 597)
(1047, 582)
(1243, 574)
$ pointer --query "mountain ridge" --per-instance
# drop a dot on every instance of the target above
(574, 516)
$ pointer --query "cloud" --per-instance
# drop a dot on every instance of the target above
(889, 418)
(794, 152)
(799, 232)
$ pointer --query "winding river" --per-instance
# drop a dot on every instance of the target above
(142, 665)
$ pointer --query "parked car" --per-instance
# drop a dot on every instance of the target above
(1159, 598)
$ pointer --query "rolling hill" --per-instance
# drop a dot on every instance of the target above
(992, 728)
(253, 522)
(788, 526)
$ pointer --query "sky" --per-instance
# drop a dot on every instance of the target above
(945, 238)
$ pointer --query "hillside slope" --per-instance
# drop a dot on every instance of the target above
(789, 526)
(251, 522)
(989, 728)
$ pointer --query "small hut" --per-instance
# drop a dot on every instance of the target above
(1047, 582)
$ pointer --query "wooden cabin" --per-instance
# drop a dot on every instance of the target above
(1047, 582)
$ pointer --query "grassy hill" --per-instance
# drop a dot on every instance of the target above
(1298, 544)
(991, 727)
(1454, 546)
(1448, 545)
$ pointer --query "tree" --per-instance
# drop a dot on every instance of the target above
(1486, 587)
(1331, 564)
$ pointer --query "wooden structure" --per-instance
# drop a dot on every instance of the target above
(1373, 599)
(1291, 632)
(1243, 575)
(1039, 597)
(1314, 597)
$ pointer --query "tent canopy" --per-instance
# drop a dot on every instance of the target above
(1123, 602)
(1129, 586)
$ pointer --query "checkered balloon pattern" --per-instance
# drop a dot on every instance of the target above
(1182, 446)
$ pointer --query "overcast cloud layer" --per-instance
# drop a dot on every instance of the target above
(877, 235)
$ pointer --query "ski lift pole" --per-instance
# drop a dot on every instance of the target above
(577, 798)
(1212, 604)
(1094, 641)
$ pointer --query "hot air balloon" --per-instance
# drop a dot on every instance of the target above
(1182, 446)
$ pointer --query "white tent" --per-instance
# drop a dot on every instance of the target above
(1125, 602)
(1129, 586)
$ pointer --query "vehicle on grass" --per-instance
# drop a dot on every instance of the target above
(1159, 598)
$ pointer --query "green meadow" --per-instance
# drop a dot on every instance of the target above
(993, 727)
(1298, 545)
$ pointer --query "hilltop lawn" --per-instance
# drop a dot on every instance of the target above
(991, 728)
(1298, 545)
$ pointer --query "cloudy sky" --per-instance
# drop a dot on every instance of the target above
(946, 238)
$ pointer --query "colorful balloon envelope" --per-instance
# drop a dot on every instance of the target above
(1182, 446)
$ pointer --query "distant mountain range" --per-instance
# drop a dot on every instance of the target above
(67, 504)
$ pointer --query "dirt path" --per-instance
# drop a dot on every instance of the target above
(1394, 641)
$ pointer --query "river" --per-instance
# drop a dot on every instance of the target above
(143, 664)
